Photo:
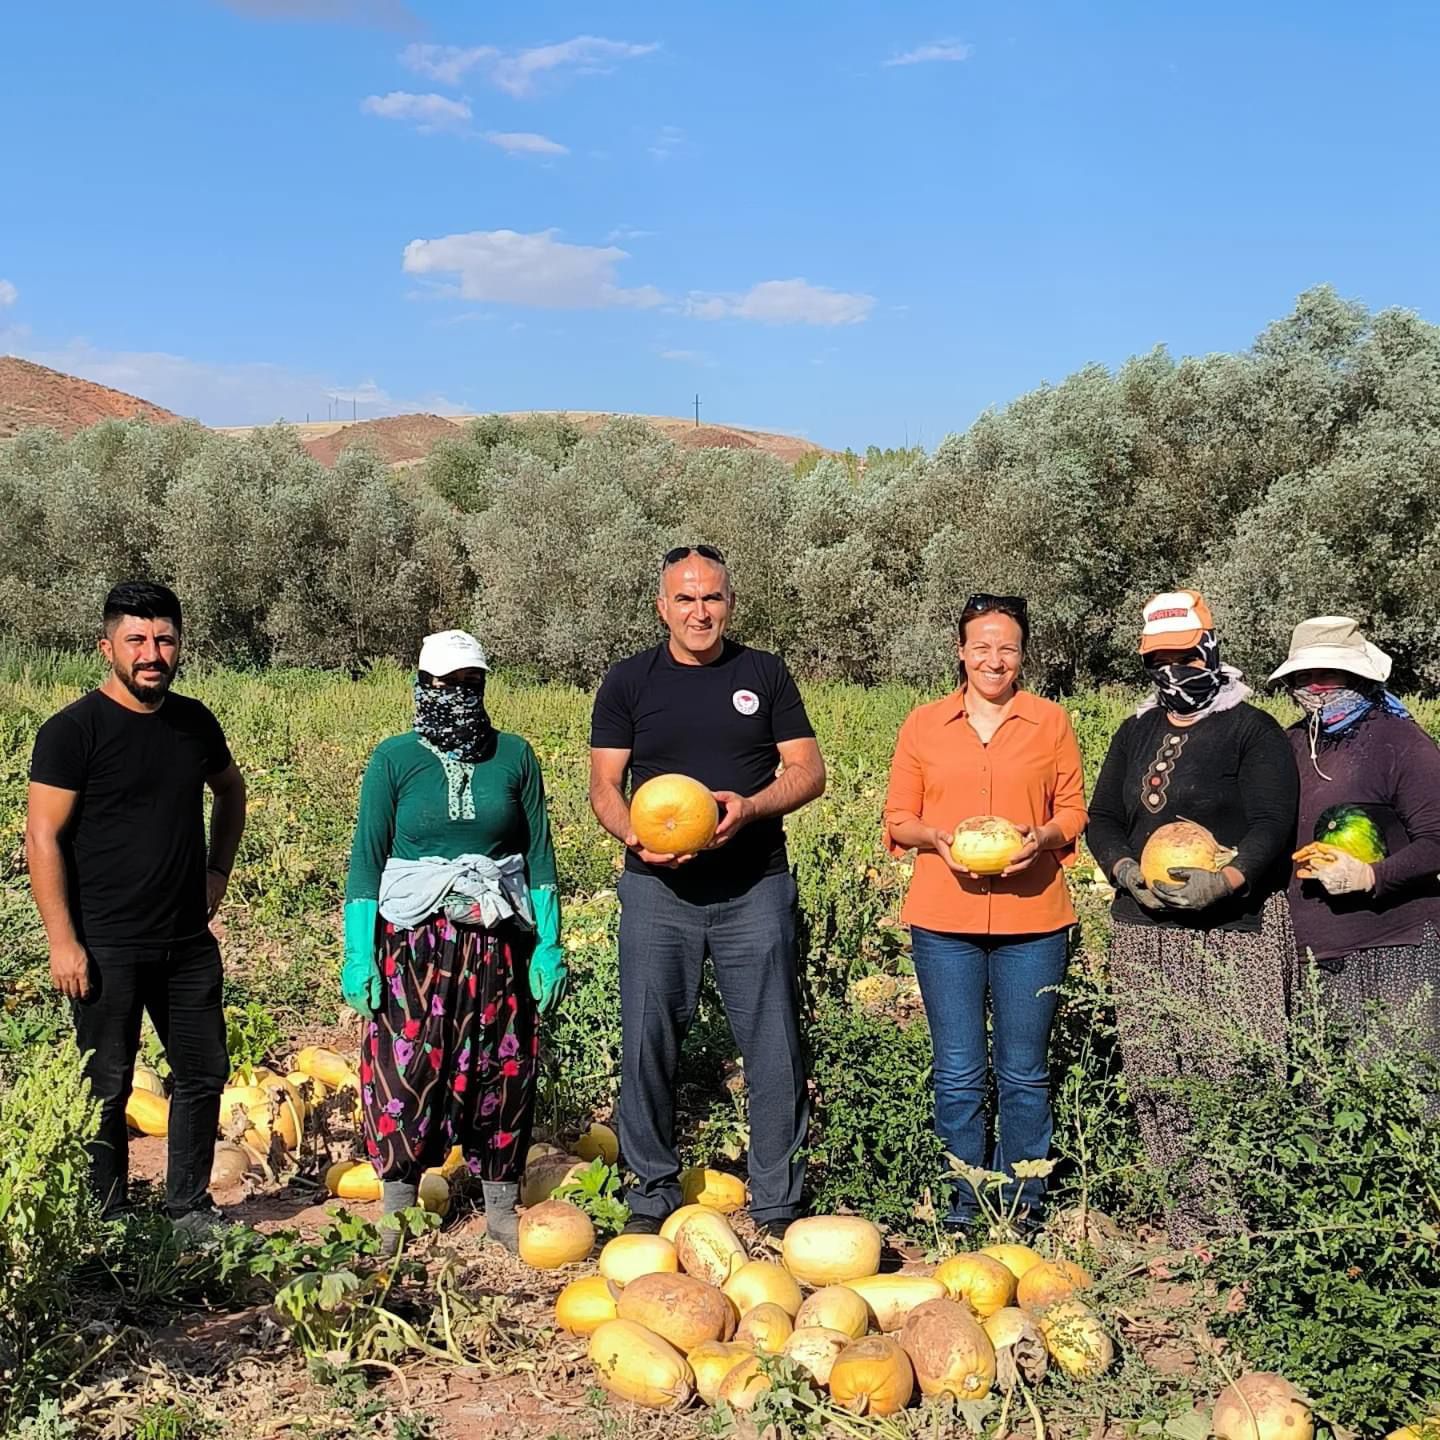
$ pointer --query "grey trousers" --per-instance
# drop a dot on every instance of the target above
(751, 941)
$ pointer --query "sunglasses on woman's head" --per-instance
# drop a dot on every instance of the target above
(675, 556)
(1014, 605)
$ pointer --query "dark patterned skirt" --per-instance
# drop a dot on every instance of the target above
(1392, 990)
(450, 1056)
(1194, 1006)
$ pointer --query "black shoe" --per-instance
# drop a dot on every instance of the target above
(642, 1225)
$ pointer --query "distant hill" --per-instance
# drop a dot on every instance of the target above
(32, 394)
(406, 439)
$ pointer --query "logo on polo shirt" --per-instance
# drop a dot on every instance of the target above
(747, 702)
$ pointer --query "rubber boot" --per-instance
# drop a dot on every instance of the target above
(501, 1222)
(395, 1196)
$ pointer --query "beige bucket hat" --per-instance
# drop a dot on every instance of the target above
(1334, 642)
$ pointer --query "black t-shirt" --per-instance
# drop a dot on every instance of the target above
(1232, 772)
(135, 846)
(721, 724)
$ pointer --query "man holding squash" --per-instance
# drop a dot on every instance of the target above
(706, 722)
(115, 840)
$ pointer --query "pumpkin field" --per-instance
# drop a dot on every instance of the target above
(1320, 1315)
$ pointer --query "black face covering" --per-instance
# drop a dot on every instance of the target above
(453, 719)
(1184, 690)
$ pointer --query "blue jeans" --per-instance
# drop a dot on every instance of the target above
(1021, 973)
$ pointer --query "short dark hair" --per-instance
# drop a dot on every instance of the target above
(143, 600)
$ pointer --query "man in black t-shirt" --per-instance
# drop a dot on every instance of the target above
(728, 716)
(115, 838)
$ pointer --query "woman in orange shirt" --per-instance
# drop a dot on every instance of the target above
(990, 748)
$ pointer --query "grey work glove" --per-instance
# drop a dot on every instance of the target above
(1128, 877)
(1196, 888)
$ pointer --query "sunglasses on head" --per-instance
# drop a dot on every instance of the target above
(675, 556)
(1012, 605)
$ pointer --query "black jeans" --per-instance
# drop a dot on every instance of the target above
(751, 941)
(181, 988)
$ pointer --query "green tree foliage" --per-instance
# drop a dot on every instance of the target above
(1301, 477)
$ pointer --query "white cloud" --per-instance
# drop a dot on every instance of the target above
(427, 113)
(8, 294)
(523, 142)
(667, 142)
(445, 63)
(685, 357)
(784, 302)
(946, 50)
(627, 232)
(392, 14)
(509, 268)
(586, 54)
(520, 72)
(255, 393)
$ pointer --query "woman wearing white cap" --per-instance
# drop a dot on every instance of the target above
(1201, 967)
(452, 938)
(1365, 896)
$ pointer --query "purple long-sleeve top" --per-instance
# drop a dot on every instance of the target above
(1389, 767)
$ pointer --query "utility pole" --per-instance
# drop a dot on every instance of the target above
(697, 409)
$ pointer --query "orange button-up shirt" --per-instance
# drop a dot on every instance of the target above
(1029, 773)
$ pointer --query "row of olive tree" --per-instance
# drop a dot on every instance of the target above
(1302, 477)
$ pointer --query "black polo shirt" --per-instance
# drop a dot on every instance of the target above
(721, 724)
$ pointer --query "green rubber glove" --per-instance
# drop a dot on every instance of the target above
(547, 964)
(359, 977)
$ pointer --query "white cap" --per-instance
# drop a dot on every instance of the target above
(1334, 642)
(449, 650)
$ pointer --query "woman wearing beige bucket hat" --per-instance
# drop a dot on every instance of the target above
(1365, 895)
(1201, 968)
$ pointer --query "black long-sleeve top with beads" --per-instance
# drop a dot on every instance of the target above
(1232, 772)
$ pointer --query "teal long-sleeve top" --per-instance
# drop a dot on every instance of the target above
(413, 805)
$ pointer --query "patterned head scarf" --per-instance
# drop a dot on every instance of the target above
(1186, 690)
(453, 719)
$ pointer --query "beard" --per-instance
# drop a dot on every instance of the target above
(147, 685)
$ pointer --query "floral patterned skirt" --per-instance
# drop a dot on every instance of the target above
(449, 1058)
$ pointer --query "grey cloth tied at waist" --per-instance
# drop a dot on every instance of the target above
(470, 890)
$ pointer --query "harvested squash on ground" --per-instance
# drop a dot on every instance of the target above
(1262, 1406)
(712, 1188)
(599, 1142)
(547, 1175)
(1048, 1283)
(584, 1305)
(147, 1113)
(744, 1385)
(353, 1180)
(147, 1079)
(1017, 1259)
(1020, 1349)
(712, 1362)
(708, 1248)
(815, 1350)
(230, 1166)
(760, 1282)
(836, 1307)
(891, 1298)
(1077, 1341)
(765, 1328)
(951, 1354)
(636, 1365)
(679, 1308)
(330, 1069)
(555, 1233)
(677, 1217)
(981, 1281)
(831, 1249)
(627, 1257)
(872, 1376)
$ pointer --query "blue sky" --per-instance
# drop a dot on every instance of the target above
(861, 222)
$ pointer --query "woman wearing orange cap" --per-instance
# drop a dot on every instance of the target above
(1201, 966)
